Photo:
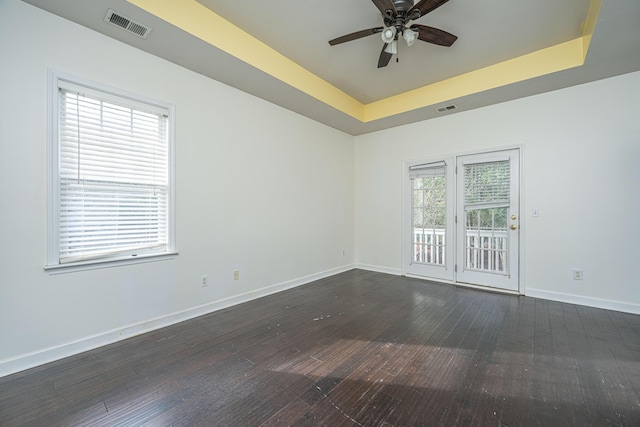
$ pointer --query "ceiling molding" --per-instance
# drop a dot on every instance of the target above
(506, 51)
(201, 22)
(546, 61)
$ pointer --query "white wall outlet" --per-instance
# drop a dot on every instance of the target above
(204, 281)
(535, 212)
(577, 274)
(236, 274)
(344, 252)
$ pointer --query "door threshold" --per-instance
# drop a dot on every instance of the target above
(465, 285)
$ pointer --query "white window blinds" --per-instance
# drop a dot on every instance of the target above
(486, 183)
(427, 170)
(113, 175)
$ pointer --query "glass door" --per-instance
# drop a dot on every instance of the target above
(429, 226)
(487, 219)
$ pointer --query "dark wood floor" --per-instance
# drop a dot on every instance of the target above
(359, 348)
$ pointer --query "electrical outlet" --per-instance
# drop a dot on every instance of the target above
(204, 281)
(577, 274)
(344, 252)
(236, 274)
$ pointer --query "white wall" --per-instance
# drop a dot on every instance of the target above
(272, 193)
(581, 157)
(259, 189)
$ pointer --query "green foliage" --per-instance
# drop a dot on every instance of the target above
(486, 183)
(429, 203)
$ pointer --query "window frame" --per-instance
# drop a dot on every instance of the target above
(55, 81)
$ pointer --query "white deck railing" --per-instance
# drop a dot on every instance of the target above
(429, 245)
(485, 249)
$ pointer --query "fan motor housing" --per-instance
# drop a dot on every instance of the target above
(403, 5)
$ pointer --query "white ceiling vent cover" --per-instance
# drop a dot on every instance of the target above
(447, 108)
(130, 25)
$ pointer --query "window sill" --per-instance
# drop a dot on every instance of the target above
(107, 263)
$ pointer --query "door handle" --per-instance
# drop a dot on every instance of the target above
(514, 227)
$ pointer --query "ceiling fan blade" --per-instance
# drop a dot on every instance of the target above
(385, 57)
(384, 5)
(356, 35)
(425, 6)
(434, 35)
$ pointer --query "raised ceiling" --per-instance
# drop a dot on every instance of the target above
(489, 32)
(278, 50)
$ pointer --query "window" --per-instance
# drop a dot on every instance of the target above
(428, 203)
(110, 176)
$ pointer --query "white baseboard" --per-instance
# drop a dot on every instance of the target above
(587, 301)
(37, 358)
(379, 269)
(535, 293)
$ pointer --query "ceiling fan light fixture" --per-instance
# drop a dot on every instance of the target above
(410, 36)
(396, 18)
(392, 47)
(389, 34)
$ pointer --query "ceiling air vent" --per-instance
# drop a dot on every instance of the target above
(130, 25)
(447, 108)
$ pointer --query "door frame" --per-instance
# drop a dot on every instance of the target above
(406, 255)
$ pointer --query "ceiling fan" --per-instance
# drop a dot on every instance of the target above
(397, 16)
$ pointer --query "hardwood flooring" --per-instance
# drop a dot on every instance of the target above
(356, 349)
